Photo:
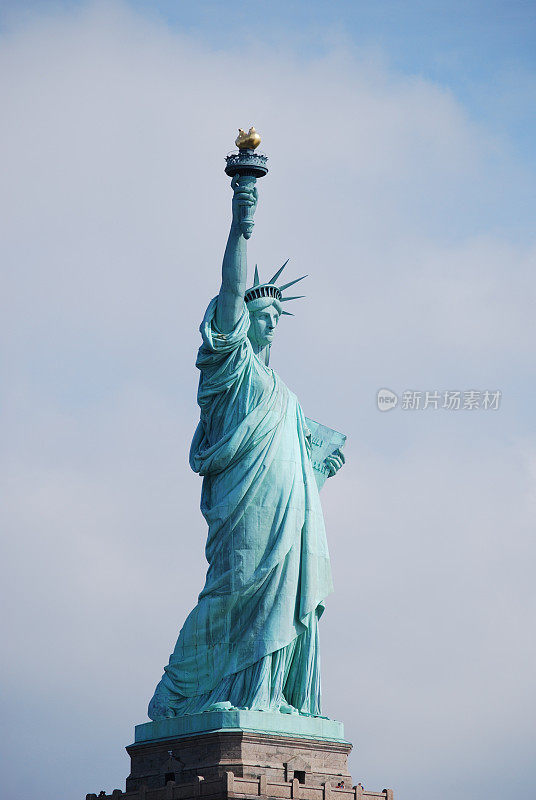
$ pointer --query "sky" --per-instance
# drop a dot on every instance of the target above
(400, 139)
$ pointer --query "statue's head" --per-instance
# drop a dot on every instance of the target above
(265, 305)
(264, 313)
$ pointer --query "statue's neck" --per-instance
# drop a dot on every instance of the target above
(263, 353)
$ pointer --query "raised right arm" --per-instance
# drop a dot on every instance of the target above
(234, 268)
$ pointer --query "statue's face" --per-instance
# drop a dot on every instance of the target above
(262, 325)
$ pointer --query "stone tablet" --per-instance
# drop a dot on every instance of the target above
(325, 442)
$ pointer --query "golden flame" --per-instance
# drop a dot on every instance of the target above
(247, 141)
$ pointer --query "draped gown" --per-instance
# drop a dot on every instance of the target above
(252, 639)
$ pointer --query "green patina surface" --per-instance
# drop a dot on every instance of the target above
(276, 723)
(251, 642)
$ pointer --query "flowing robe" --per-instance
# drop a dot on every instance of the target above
(252, 639)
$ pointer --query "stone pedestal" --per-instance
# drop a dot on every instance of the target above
(235, 755)
(247, 754)
(249, 744)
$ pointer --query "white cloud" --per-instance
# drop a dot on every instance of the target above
(113, 209)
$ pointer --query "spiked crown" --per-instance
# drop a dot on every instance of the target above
(269, 289)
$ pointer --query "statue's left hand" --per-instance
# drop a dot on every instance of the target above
(334, 462)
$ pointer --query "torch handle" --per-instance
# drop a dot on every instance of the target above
(247, 210)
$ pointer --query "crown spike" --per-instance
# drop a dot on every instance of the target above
(287, 313)
(291, 283)
(297, 297)
(256, 279)
(279, 271)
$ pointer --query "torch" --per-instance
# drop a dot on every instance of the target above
(248, 166)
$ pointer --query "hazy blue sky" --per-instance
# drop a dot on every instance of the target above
(482, 50)
(402, 165)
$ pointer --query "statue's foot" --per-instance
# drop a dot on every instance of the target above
(285, 708)
(223, 705)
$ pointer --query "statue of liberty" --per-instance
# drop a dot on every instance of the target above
(251, 642)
